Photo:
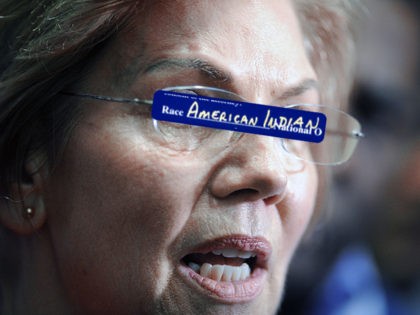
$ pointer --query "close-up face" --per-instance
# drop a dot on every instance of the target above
(137, 226)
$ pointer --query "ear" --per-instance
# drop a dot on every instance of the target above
(23, 211)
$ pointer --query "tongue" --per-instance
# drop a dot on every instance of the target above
(214, 259)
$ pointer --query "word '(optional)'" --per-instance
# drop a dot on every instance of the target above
(238, 116)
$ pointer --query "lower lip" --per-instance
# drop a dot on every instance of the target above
(226, 292)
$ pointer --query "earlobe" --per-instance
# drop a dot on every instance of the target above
(24, 211)
(24, 216)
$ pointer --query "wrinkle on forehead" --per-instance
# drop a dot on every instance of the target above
(253, 39)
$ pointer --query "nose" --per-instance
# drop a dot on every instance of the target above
(251, 170)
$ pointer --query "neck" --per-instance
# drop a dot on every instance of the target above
(33, 286)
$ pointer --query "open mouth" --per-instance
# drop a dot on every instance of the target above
(230, 269)
(228, 264)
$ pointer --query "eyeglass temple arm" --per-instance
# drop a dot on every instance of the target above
(137, 101)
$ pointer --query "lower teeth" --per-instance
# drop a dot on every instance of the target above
(222, 272)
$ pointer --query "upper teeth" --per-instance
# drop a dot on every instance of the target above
(232, 253)
(222, 272)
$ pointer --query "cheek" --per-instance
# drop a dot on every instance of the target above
(113, 214)
(295, 212)
(298, 206)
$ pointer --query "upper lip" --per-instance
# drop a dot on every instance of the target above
(258, 245)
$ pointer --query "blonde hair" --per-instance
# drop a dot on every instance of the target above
(329, 28)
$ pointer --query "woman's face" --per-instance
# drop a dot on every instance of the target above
(130, 219)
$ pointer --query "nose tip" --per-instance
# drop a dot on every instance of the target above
(252, 171)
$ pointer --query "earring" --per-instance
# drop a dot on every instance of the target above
(28, 213)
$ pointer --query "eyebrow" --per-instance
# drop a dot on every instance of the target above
(300, 88)
(203, 66)
(215, 73)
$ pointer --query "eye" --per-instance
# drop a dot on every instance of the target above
(186, 137)
(182, 137)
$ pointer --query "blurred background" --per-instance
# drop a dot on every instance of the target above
(363, 258)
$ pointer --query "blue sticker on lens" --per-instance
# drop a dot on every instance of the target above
(239, 116)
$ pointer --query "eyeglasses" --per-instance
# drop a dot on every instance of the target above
(341, 135)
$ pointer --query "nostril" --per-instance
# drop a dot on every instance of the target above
(255, 186)
(253, 195)
(274, 199)
(245, 194)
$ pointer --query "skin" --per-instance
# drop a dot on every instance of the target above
(122, 210)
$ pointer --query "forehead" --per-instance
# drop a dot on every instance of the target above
(247, 39)
(247, 20)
